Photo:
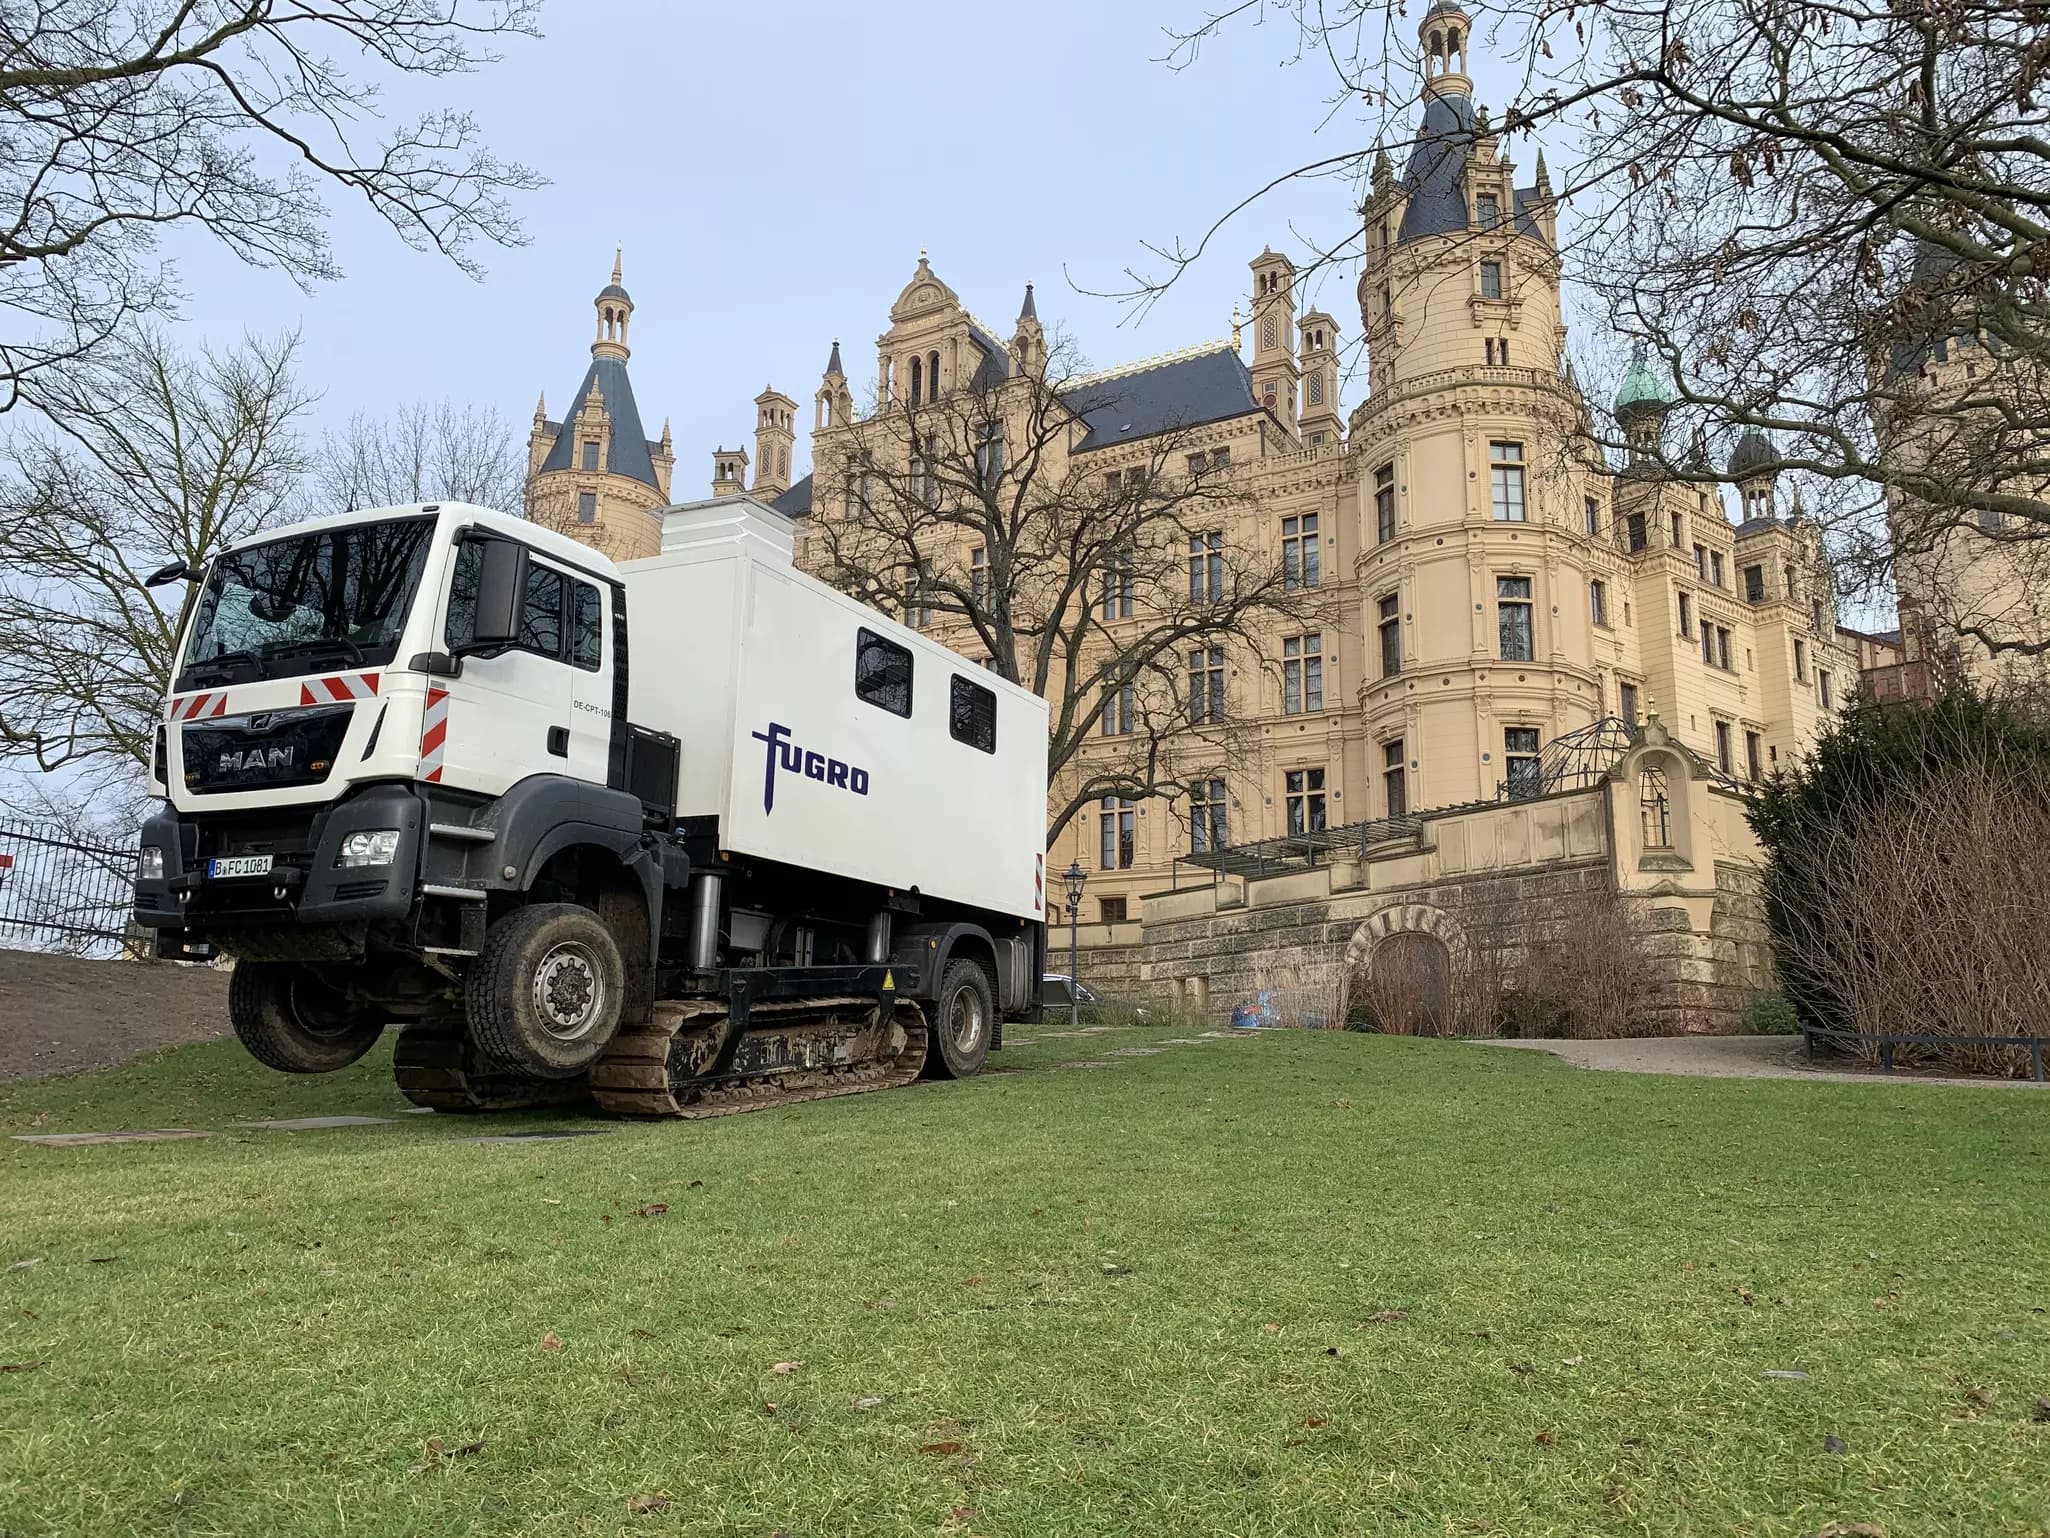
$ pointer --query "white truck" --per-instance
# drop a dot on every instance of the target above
(687, 835)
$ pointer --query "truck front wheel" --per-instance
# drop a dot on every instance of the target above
(291, 1021)
(543, 997)
(963, 1021)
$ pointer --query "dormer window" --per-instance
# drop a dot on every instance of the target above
(1487, 210)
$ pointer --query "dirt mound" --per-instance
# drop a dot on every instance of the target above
(59, 1013)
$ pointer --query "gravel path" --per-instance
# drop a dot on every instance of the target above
(1728, 1057)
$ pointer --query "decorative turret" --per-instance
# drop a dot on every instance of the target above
(1642, 402)
(1274, 365)
(1754, 468)
(1443, 35)
(615, 308)
(833, 406)
(775, 431)
(1321, 423)
(1028, 344)
(729, 472)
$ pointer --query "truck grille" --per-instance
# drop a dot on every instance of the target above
(265, 750)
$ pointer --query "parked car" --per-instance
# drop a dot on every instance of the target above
(1091, 1006)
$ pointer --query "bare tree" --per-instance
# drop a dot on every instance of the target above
(1094, 579)
(151, 455)
(1800, 210)
(420, 453)
(124, 117)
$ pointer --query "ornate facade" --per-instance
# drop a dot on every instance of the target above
(1493, 583)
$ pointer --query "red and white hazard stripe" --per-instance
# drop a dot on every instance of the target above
(339, 689)
(433, 734)
(1039, 883)
(196, 707)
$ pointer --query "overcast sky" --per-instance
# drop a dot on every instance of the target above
(772, 171)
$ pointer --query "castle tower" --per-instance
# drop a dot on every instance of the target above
(1275, 373)
(775, 432)
(595, 475)
(729, 472)
(1321, 424)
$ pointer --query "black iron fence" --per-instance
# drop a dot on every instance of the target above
(64, 894)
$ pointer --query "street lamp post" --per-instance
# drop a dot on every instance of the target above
(1074, 876)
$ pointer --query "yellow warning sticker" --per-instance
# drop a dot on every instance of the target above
(889, 982)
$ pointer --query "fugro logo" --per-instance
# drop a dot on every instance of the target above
(781, 752)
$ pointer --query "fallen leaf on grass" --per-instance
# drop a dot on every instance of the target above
(652, 1210)
(1545, 1439)
(1112, 1268)
(23, 1366)
(785, 1369)
(1852, 1530)
(640, 1334)
(1979, 1396)
(101, 1260)
(962, 1513)
(1521, 1369)
(1571, 1361)
(436, 1450)
(551, 1342)
(1270, 1329)
(647, 1505)
(1314, 1421)
(23, 1265)
(2042, 1408)
(870, 1402)
(973, 1281)
(941, 1449)
(1746, 1296)
(1387, 1316)
(1834, 1444)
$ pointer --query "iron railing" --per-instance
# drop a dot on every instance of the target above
(1299, 851)
(64, 894)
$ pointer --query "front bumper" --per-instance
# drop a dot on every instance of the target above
(303, 889)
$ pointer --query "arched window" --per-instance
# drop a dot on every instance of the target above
(1654, 807)
(916, 376)
(932, 375)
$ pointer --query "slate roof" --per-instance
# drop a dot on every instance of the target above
(1187, 392)
(796, 502)
(995, 366)
(1753, 451)
(1436, 174)
(629, 452)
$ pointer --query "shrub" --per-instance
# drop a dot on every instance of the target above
(1769, 1014)
(1905, 886)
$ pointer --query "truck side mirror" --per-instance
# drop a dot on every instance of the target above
(501, 594)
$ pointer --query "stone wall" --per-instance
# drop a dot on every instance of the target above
(1482, 880)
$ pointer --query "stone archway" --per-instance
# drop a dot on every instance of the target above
(1400, 965)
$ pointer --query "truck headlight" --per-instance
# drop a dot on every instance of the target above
(149, 863)
(376, 847)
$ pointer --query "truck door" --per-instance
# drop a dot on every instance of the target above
(590, 680)
(509, 713)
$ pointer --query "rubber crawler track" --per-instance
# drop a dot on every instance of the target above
(436, 1067)
(651, 1072)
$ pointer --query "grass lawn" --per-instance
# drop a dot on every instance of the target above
(1298, 1284)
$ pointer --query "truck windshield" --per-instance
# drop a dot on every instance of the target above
(307, 603)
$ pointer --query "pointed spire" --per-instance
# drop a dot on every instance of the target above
(541, 407)
(617, 252)
(833, 367)
(1028, 310)
(667, 441)
(1384, 168)
(1544, 177)
(1235, 325)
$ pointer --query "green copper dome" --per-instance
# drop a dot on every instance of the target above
(1641, 391)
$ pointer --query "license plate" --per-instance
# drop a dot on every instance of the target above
(239, 865)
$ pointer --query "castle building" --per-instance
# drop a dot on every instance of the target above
(1492, 584)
